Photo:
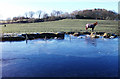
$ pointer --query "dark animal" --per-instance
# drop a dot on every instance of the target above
(91, 26)
(4, 25)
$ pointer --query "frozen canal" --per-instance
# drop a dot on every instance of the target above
(75, 57)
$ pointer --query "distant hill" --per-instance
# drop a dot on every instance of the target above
(102, 14)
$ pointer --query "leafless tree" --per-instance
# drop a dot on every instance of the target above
(26, 14)
(39, 13)
(45, 15)
(66, 15)
(56, 13)
(52, 17)
(31, 14)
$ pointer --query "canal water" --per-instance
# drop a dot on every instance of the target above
(70, 57)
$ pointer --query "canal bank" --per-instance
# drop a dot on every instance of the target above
(52, 35)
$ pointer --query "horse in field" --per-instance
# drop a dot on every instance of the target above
(91, 26)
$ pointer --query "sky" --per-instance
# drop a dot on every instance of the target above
(14, 8)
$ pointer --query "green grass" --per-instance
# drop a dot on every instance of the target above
(66, 25)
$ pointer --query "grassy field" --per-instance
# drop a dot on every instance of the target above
(66, 25)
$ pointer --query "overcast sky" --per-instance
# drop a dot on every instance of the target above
(11, 8)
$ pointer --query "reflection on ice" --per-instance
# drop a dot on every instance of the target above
(64, 58)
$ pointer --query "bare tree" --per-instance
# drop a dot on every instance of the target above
(15, 18)
(66, 15)
(26, 14)
(45, 15)
(39, 13)
(57, 12)
(52, 17)
(31, 13)
(54, 13)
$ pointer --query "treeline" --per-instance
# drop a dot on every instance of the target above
(101, 14)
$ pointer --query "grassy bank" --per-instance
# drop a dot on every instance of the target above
(61, 25)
